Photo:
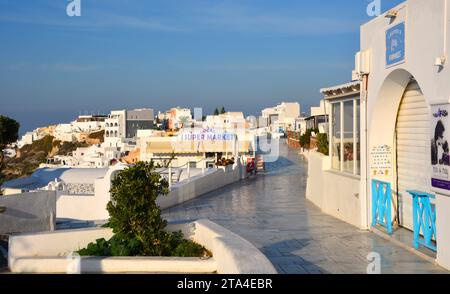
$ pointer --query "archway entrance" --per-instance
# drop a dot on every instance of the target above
(412, 150)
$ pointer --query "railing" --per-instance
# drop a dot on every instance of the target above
(381, 205)
(169, 172)
(424, 219)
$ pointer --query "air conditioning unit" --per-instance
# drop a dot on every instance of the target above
(362, 63)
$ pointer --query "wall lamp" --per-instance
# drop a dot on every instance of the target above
(440, 62)
(391, 14)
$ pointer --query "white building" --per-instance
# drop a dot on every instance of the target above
(319, 117)
(82, 193)
(64, 133)
(396, 130)
(89, 123)
(84, 124)
(282, 117)
(179, 118)
(26, 139)
(121, 126)
(227, 121)
(115, 129)
(30, 137)
(198, 148)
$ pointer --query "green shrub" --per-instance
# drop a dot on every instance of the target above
(323, 143)
(136, 219)
(305, 139)
(44, 145)
(188, 248)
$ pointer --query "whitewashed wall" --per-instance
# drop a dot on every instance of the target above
(426, 40)
(93, 208)
(335, 193)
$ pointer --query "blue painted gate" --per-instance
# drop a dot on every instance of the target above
(381, 205)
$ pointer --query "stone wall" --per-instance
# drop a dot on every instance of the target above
(293, 140)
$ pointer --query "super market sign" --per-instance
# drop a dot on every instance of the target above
(207, 135)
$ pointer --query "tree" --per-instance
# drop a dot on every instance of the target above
(135, 218)
(9, 133)
(184, 120)
(222, 110)
(216, 111)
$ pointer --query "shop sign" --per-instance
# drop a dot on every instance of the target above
(207, 135)
(395, 45)
(381, 161)
(440, 154)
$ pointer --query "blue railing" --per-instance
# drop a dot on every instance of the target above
(381, 205)
(424, 219)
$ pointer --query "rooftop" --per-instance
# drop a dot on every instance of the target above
(341, 90)
(43, 176)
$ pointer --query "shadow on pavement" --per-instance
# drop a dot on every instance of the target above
(285, 261)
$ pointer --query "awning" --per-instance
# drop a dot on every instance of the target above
(192, 147)
(342, 90)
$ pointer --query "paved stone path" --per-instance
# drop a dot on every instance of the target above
(271, 212)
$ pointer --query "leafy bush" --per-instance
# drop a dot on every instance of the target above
(136, 219)
(305, 139)
(323, 143)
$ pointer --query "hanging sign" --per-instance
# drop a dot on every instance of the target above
(395, 45)
(440, 154)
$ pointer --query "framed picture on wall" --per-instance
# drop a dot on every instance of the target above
(440, 151)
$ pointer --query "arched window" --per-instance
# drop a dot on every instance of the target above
(107, 133)
(116, 125)
(107, 125)
(115, 133)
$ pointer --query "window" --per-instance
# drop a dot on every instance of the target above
(336, 137)
(349, 133)
(345, 140)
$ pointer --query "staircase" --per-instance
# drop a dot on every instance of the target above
(260, 165)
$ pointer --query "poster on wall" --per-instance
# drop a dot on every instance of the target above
(440, 153)
(381, 161)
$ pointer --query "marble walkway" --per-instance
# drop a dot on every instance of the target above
(271, 211)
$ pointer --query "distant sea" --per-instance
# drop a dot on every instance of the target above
(31, 120)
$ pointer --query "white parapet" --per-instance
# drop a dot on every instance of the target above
(52, 252)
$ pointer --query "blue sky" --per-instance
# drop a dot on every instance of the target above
(245, 54)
